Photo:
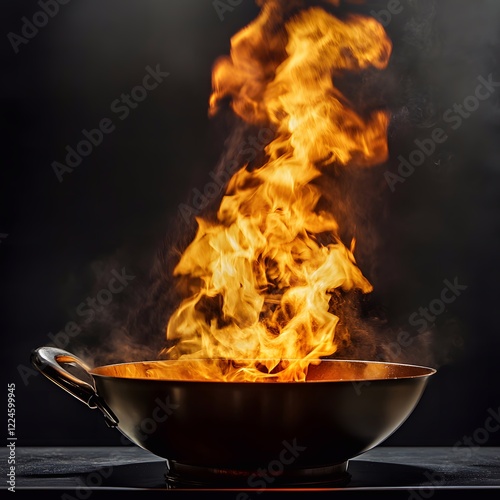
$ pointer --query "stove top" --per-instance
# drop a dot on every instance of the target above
(411, 473)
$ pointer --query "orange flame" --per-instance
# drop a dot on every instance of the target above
(261, 281)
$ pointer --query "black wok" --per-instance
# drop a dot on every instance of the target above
(300, 432)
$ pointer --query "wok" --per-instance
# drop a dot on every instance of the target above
(296, 432)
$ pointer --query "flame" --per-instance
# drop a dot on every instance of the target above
(262, 281)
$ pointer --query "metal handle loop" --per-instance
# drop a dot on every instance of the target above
(50, 362)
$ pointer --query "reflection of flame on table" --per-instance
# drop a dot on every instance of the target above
(265, 275)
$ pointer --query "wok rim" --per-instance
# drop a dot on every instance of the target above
(427, 372)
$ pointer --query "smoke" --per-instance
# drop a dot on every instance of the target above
(133, 327)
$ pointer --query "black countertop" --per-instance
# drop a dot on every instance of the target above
(411, 473)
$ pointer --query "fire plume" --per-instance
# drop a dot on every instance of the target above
(261, 277)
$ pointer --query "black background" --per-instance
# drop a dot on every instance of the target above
(441, 223)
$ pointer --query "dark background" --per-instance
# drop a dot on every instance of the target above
(441, 223)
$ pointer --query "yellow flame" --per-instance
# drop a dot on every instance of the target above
(261, 281)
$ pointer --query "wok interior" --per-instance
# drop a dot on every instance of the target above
(319, 370)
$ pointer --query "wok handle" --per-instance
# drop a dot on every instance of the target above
(50, 362)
